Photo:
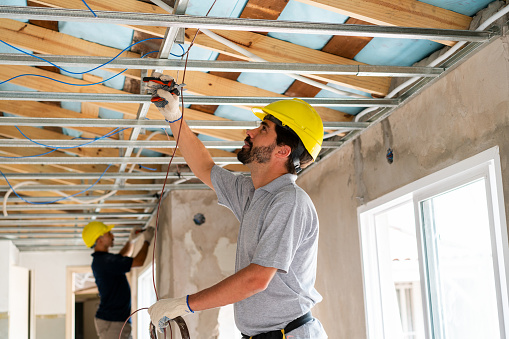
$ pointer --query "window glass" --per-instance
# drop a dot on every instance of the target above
(400, 282)
(460, 263)
(434, 255)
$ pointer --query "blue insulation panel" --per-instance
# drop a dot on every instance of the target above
(297, 11)
(465, 7)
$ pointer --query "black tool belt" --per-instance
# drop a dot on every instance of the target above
(279, 334)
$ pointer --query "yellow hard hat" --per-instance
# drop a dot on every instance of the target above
(300, 117)
(93, 231)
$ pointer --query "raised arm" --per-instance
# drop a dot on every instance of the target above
(193, 150)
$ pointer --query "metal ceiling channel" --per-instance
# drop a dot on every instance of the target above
(58, 216)
(190, 99)
(89, 175)
(201, 124)
(108, 160)
(17, 230)
(85, 198)
(69, 222)
(221, 66)
(138, 143)
(119, 187)
(238, 24)
(64, 207)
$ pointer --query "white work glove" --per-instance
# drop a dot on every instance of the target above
(166, 309)
(134, 234)
(148, 234)
(169, 106)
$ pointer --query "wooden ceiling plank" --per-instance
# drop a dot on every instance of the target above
(404, 13)
(100, 5)
(13, 168)
(269, 49)
(192, 86)
(82, 168)
(263, 9)
(38, 133)
(26, 107)
(128, 109)
(274, 50)
(227, 87)
(347, 46)
(208, 84)
(45, 41)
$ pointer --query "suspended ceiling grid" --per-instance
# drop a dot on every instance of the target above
(355, 47)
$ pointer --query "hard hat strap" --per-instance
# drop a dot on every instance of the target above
(296, 153)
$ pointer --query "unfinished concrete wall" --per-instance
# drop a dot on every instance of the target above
(191, 257)
(459, 116)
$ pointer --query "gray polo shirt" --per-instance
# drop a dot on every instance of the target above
(278, 228)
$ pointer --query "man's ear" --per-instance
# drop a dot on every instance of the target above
(99, 240)
(283, 151)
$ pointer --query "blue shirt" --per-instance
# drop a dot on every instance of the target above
(109, 272)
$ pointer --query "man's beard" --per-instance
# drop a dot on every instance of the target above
(260, 154)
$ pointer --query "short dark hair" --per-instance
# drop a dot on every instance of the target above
(286, 136)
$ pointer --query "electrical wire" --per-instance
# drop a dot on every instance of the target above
(66, 196)
(62, 82)
(84, 72)
(186, 54)
(166, 178)
(57, 148)
(89, 8)
(56, 200)
(90, 70)
(147, 168)
(109, 134)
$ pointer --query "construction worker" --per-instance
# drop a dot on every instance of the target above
(109, 272)
(273, 287)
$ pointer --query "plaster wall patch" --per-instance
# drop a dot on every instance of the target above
(193, 251)
(225, 253)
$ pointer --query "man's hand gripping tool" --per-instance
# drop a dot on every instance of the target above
(174, 88)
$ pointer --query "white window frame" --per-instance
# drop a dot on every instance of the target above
(483, 165)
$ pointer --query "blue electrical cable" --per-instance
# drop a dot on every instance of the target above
(62, 82)
(89, 8)
(57, 148)
(68, 83)
(56, 200)
(71, 72)
(93, 69)
(69, 147)
(148, 168)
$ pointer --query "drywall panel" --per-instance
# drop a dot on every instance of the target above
(9, 256)
(6, 261)
(50, 274)
(19, 309)
(462, 114)
(50, 327)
